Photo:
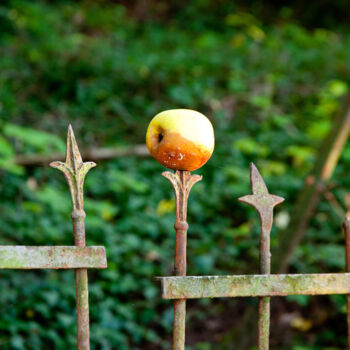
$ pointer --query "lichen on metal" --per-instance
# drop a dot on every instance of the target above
(194, 287)
(75, 171)
(181, 287)
(52, 257)
(78, 257)
(263, 202)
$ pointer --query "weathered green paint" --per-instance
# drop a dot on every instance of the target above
(52, 257)
(192, 287)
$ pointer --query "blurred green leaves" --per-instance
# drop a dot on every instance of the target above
(34, 140)
(271, 93)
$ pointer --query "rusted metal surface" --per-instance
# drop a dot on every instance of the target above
(75, 170)
(346, 227)
(264, 286)
(194, 287)
(264, 323)
(264, 203)
(52, 257)
(182, 182)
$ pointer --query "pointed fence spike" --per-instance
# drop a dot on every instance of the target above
(73, 156)
(261, 199)
(263, 202)
(75, 171)
(256, 181)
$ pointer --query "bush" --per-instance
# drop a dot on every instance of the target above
(271, 93)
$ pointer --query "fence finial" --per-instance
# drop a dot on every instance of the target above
(74, 169)
(182, 182)
(263, 202)
(261, 199)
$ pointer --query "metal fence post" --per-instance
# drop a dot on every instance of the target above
(264, 203)
(78, 257)
(75, 170)
(182, 182)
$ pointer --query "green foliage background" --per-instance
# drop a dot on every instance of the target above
(271, 90)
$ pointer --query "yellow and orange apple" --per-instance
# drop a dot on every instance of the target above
(180, 139)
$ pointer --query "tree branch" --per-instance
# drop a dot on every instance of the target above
(95, 154)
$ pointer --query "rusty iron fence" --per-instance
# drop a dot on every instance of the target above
(78, 257)
(179, 287)
(264, 286)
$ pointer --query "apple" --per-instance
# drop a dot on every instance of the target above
(180, 139)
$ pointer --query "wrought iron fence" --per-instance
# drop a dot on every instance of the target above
(264, 286)
(179, 287)
(78, 257)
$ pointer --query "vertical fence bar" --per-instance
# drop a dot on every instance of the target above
(81, 284)
(75, 170)
(264, 302)
(263, 202)
(347, 269)
(182, 182)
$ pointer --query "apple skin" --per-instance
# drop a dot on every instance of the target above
(180, 139)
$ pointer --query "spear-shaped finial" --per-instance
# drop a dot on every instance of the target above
(74, 169)
(263, 202)
(261, 199)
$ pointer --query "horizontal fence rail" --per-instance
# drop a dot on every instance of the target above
(180, 287)
(52, 257)
(77, 257)
(194, 287)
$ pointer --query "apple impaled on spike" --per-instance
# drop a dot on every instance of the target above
(180, 139)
